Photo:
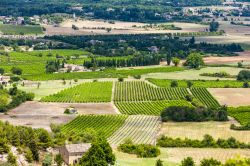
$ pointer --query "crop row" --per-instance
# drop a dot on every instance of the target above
(141, 91)
(140, 129)
(105, 125)
(148, 108)
(205, 97)
(86, 92)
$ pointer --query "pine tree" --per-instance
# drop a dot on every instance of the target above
(28, 156)
(12, 159)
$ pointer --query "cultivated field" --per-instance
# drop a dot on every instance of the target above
(90, 27)
(105, 125)
(141, 91)
(196, 130)
(231, 96)
(86, 92)
(205, 97)
(194, 74)
(140, 129)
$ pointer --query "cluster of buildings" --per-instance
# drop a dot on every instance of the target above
(19, 20)
(224, 10)
(72, 68)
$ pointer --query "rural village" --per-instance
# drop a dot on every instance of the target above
(125, 83)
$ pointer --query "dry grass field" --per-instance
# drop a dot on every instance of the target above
(243, 57)
(178, 154)
(91, 27)
(234, 34)
(196, 130)
(231, 96)
(41, 115)
(174, 156)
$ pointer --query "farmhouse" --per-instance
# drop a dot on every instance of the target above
(72, 153)
(4, 80)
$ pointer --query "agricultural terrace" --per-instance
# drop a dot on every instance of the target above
(20, 29)
(108, 73)
(148, 107)
(241, 114)
(141, 91)
(103, 124)
(194, 130)
(86, 92)
(198, 83)
(205, 97)
(140, 129)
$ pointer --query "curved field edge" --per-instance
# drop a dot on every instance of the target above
(241, 114)
(105, 125)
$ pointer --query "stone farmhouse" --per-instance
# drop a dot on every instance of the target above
(72, 153)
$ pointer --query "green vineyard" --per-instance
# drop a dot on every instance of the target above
(241, 114)
(141, 91)
(205, 97)
(104, 124)
(140, 129)
(148, 108)
(86, 92)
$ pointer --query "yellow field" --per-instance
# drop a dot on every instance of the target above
(196, 130)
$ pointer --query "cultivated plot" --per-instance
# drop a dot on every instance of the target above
(105, 125)
(140, 129)
(141, 91)
(205, 97)
(148, 108)
(86, 92)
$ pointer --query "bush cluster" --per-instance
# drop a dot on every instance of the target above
(17, 98)
(194, 114)
(141, 150)
(207, 142)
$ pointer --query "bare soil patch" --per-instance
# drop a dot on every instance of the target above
(41, 115)
(243, 57)
(196, 130)
(231, 96)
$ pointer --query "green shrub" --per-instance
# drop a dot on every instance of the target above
(187, 162)
(141, 150)
(210, 162)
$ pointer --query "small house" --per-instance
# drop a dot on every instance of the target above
(72, 153)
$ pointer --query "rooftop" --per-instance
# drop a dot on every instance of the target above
(78, 148)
